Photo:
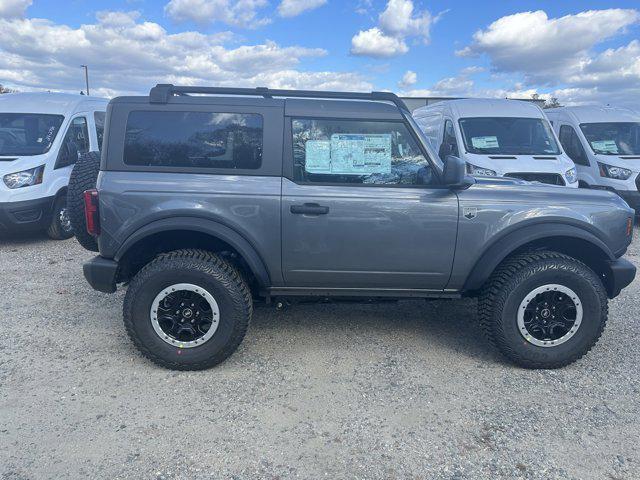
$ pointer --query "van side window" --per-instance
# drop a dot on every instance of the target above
(449, 143)
(99, 119)
(356, 152)
(194, 139)
(572, 146)
(78, 135)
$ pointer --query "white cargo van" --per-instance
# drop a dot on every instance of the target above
(41, 136)
(508, 138)
(604, 143)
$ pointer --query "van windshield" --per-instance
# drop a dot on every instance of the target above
(614, 138)
(508, 136)
(25, 134)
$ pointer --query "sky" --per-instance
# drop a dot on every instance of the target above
(579, 51)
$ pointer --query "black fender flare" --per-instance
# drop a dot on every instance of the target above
(209, 227)
(510, 241)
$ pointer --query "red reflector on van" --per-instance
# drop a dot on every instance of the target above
(91, 213)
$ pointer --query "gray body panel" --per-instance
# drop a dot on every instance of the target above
(247, 205)
(372, 238)
(503, 208)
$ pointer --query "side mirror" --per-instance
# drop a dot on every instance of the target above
(455, 173)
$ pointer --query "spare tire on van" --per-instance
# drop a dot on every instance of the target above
(83, 177)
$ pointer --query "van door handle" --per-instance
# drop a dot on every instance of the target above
(309, 209)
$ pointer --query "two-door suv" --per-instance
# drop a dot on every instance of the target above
(210, 199)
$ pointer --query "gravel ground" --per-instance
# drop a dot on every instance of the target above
(406, 390)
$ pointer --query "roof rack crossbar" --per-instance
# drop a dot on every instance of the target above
(162, 92)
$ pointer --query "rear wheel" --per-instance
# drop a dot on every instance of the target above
(187, 310)
(83, 177)
(60, 227)
(543, 309)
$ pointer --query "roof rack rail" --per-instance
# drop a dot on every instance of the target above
(163, 91)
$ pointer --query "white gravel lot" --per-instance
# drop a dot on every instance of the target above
(406, 390)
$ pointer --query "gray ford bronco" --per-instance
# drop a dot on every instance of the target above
(209, 200)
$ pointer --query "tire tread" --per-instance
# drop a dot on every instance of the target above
(209, 263)
(491, 302)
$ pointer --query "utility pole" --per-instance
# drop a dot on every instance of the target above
(86, 76)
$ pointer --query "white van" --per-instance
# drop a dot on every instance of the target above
(508, 138)
(604, 143)
(41, 136)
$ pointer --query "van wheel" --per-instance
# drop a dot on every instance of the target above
(83, 177)
(60, 227)
(543, 309)
(187, 310)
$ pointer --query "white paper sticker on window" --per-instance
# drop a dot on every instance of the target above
(355, 154)
(608, 146)
(485, 142)
(318, 156)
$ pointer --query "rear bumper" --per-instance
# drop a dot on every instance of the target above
(27, 215)
(101, 274)
(621, 274)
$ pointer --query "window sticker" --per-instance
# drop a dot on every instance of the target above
(608, 146)
(318, 156)
(485, 142)
(355, 154)
(349, 154)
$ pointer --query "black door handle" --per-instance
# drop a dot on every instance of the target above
(309, 209)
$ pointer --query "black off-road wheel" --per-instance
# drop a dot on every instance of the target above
(187, 310)
(543, 309)
(83, 177)
(60, 227)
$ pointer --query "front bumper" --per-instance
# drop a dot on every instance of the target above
(101, 274)
(620, 274)
(27, 215)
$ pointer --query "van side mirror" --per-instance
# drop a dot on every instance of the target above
(455, 173)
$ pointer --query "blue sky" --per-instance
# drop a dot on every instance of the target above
(579, 51)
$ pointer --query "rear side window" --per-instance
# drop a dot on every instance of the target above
(194, 139)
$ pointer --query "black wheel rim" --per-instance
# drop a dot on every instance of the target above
(185, 315)
(549, 315)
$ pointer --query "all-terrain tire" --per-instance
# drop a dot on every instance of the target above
(519, 276)
(207, 271)
(83, 177)
(60, 227)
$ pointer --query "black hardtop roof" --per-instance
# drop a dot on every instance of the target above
(161, 93)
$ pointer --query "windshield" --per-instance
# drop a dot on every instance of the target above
(25, 134)
(614, 138)
(508, 136)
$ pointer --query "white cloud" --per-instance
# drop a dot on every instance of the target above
(374, 43)
(398, 20)
(238, 13)
(14, 8)
(558, 54)
(127, 55)
(292, 8)
(408, 79)
(543, 47)
(396, 24)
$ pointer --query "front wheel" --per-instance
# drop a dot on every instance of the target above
(60, 227)
(543, 309)
(187, 310)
